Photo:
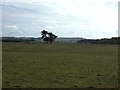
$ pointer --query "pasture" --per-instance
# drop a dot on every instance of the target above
(59, 65)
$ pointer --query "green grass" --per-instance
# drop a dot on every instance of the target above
(59, 65)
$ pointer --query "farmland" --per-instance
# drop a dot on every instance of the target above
(59, 65)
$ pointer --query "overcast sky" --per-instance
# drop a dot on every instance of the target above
(65, 18)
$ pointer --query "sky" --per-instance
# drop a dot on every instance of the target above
(65, 18)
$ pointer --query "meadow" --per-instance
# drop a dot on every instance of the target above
(59, 65)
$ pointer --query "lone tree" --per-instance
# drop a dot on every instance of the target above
(48, 37)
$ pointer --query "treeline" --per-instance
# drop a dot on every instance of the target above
(113, 40)
(15, 39)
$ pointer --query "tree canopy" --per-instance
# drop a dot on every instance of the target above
(48, 36)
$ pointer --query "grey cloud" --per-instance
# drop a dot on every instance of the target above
(32, 17)
(7, 9)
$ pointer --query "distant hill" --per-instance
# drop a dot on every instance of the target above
(37, 40)
(113, 40)
(69, 40)
(79, 40)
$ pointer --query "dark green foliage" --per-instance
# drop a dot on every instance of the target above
(113, 40)
(48, 36)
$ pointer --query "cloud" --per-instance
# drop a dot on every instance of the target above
(13, 27)
(10, 30)
(86, 18)
(49, 27)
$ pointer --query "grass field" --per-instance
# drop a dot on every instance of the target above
(59, 65)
